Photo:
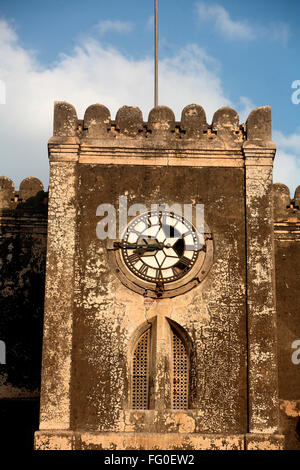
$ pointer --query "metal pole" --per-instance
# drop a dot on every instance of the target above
(156, 56)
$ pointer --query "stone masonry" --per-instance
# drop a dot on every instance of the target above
(240, 322)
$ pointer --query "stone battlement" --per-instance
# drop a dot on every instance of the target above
(285, 208)
(31, 194)
(286, 213)
(225, 131)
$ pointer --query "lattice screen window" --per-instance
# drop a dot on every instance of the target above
(180, 373)
(140, 372)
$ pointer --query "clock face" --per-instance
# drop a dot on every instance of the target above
(160, 247)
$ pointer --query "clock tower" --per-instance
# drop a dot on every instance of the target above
(160, 327)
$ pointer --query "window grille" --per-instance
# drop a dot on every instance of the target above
(140, 372)
(180, 373)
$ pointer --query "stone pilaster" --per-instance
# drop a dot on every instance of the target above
(261, 324)
(57, 347)
(55, 410)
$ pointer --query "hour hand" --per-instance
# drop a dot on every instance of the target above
(150, 244)
(125, 245)
(140, 249)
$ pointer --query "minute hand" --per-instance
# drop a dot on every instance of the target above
(140, 249)
(137, 246)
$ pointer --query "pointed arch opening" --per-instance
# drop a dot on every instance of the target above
(140, 372)
(180, 371)
(161, 358)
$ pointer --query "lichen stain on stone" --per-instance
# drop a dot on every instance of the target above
(291, 408)
(184, 423)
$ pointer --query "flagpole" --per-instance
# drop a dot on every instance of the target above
(156, 56)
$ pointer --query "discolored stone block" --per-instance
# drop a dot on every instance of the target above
(29, 188)
(161, 121)
(65, 120)
(281, 201)
(193, 121)
(264, 442)
(297, 197)
(129, 120)
(259, 125)
(7, 190)
(225, 119)
(96, 121)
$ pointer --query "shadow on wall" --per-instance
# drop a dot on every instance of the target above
(23, 234)
(19, 419)
(298, 430)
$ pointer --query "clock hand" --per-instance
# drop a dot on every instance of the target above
(151, 246)
(144, 248)
(153, 242)
(128, 246)
(137, 246)
(141, 248)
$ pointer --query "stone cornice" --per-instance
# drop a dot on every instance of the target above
(258, 155)
(66, 152)
(160, 157)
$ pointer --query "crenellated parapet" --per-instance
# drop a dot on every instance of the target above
(286, 212)
(30, 196)
(161, 130)
(285, 208)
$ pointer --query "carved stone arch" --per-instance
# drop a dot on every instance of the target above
(139, 330)
(183, 333)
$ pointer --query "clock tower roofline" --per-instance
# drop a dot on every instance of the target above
(161, 140)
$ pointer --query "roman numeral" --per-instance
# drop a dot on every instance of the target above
(134, 258)
(143, 270)
(176, 271)
(185, 261)
(159, 276)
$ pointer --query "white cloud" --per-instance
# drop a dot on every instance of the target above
(230, 28)
(245, 106)
(114, 26)
(289, 142)
(287, 160)
(94, 74)
(240, 29)
(90, 74)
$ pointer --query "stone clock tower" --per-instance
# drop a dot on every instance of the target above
(161, 335)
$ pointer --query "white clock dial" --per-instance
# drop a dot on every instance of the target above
(160, 247)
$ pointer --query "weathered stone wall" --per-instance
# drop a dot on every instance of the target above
(23, 229)
(107, 313)
(287, 252)
(91, 317)
(227, 166)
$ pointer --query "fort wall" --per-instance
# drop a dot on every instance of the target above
(23, 236)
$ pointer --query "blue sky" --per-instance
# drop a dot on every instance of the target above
(215, 53)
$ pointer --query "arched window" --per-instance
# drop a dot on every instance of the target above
(140, 372)
(179, 373)
(160, 357)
